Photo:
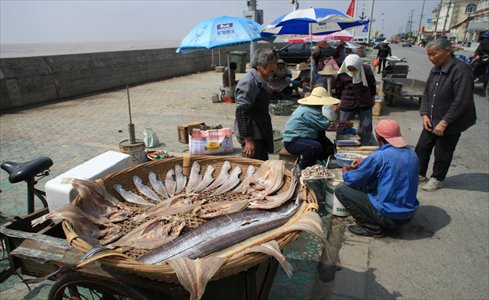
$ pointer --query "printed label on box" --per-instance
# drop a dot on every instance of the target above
(212, 141)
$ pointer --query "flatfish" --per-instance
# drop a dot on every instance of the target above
(157, 185)
(276, 200)
(170, 183)
(208, 179)
(223, 175)
(231, 182)
(130, 196)
(144, 189)
(180, 178)
(221, 232)
(194, 179)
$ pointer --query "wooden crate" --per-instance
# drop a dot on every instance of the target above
(185, 129)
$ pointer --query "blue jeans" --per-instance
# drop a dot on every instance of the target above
(363, 211)
(310, 150)
(365, 117)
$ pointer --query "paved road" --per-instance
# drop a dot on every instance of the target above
(441, 254)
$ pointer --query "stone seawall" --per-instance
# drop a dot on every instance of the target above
(32, 80)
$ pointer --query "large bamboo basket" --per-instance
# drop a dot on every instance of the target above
(163, 272)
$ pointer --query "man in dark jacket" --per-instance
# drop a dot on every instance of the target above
(384, 51)
(447, 109)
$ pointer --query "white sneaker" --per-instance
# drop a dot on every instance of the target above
(432, 185)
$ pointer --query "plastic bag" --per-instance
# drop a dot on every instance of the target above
(150, 138)
(376, 62)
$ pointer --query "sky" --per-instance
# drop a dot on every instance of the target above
(39, 21)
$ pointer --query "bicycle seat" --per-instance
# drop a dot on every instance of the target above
(22, 171)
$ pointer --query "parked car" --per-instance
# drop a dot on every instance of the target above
(407, 43)
(297, 53)
(361, 41)
(351, 47)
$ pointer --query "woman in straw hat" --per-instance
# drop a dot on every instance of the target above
(356, 88)
(304, 77)
(304, 133)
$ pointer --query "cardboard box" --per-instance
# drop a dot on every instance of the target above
(212, 141)
(184, 130)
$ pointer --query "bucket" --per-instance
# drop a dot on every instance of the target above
(136, 150)
(377, 109)
(278, 141)
(333, 205)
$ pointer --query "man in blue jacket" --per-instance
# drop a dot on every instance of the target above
(380, 190)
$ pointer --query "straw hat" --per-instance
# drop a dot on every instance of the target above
(319, 96)
(303, 66)
(385, 42)
(280, 61)
(328, 70)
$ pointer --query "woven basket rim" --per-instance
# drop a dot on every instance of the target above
(163, 272)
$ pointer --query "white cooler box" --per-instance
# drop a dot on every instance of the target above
(60, 194)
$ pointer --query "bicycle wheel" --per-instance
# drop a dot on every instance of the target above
(74, 285)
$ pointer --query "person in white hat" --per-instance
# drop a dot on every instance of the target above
(384, 51)
(304, 133)
(380, 190)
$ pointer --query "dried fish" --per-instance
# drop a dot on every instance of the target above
(152, 234)
(180, 178)
(175, 205)
(231, 182)
(250, 171)
(194, 274)
(194, 179)
(223, 175)
(216, 209)
(144, 189)
(278, 199)
(97, 202)
(221, 232)
(157, 185)
(208, 179)
(266, 180)
(94, 231)
(170, 183)
(316, 172)
(130, 196)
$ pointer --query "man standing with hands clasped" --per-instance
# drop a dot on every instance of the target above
(380, 190)
(447, 109)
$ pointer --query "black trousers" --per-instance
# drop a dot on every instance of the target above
(381, 66)
(362, 210)
(444, 148)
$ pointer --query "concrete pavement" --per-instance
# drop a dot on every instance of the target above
(441, 254)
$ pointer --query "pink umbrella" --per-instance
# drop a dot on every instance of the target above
(342, 35)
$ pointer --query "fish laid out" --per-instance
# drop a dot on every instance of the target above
(250, 171)
(221, 178)
(266, 180)
(144, 189)
(220, 233)
(157, 185)
(180, 179)
(92, 230)
(130, 196)
(216, 209)
(178, 204)
(278, 199)
(97, 202)
(229, 183)
(170, 183)
(152, 234)
(194, 179)
(208, 179)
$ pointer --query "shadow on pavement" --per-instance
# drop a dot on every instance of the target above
(468, 182)
(425, 223)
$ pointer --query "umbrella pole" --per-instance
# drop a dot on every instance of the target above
(219, 57)
(313, 65)
(229, 68)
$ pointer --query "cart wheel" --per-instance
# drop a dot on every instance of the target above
(77, 286)
(388, 99)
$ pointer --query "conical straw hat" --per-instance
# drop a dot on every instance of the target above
(319, 96)
(328, 70)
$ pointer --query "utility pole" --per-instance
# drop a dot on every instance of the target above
(438, 17)
(371, 20)
(252, 8)
(420, 20)
(354, 14)
(446, 16)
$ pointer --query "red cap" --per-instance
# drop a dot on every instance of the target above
(391, 132)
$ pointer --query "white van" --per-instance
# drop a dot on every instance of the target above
(360, 40)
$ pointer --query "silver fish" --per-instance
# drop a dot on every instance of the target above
(251, 169)
(144, 189)
(180, 178)
(130, 196)
(223, 175)
(221, 232)
(231, 182)
(208, 179)
(278, 199)
(194, 179)
(170, 183)
(157, 185)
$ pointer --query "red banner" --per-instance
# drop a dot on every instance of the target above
(351, 9)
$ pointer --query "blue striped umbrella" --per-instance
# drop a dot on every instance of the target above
(220, 32)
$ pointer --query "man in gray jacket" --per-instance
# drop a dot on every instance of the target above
(447, 109)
